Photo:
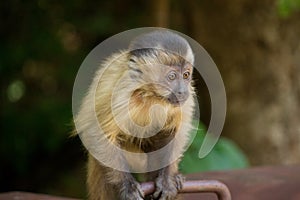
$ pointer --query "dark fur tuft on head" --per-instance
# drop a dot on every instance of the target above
(150, 43)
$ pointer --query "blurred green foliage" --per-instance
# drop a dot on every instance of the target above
(287, 7)
(42, 46)
(225, 155)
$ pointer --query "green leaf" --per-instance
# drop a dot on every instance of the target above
(225, 155)
(287, 7)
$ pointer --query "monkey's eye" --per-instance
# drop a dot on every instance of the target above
(186, 75)
(171, 76)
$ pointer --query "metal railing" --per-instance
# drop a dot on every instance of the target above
(197, 186)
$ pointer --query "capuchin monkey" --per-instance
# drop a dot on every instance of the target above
(155, 70)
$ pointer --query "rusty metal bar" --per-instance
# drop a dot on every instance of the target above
(203, 186)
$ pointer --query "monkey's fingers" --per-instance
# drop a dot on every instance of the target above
(179, 179)
(166, 188)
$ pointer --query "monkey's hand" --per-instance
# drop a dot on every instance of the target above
(131, 190)
(167, 186)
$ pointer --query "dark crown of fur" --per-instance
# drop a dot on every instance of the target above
(148, 44)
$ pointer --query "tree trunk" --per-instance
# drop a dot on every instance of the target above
(161, 10)
(258, 54)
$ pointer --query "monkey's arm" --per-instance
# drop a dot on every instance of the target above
(130, 189)
(168, 182)
(106, 183)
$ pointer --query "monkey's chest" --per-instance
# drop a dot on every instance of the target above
(146, 145)
(157, 141)
(157, 120)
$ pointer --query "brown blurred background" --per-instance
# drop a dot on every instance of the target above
(255, 44)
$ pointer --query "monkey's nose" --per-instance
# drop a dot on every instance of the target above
(181, 94)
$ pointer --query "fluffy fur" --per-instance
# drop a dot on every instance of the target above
(121, 99)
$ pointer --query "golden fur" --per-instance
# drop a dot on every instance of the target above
(114, 89)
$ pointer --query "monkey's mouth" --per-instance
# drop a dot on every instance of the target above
(176, 101)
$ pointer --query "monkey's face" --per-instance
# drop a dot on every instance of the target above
(164, 60)
(169, 76)
(176, 83)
